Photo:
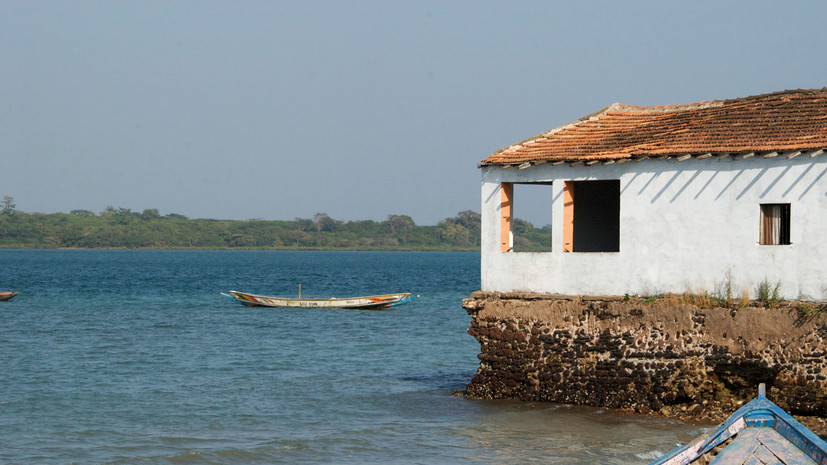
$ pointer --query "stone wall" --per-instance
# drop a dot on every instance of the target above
(674, 359)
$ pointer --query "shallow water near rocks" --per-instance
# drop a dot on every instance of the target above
(133, 357)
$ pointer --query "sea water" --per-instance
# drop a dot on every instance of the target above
(134, 357)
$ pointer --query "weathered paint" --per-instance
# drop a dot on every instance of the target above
(683, 227)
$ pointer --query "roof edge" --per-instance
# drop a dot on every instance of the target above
(740, 155)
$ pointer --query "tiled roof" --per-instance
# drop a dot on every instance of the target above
(794, 120)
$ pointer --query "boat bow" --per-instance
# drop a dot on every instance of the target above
(758, 428)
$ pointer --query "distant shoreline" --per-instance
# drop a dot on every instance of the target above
(124, 229)
(149, 230)
(250, 249)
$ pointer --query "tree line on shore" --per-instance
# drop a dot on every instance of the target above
(127, 229)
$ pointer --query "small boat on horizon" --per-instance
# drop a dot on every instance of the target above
(373, 302)
(760, 432)
(4, 296)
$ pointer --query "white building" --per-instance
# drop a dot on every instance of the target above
(650, 200)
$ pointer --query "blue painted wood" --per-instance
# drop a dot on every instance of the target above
(761, 419)
(787, 452)
(803, 438)
(754, 460)
(766, 457)
(741, 448)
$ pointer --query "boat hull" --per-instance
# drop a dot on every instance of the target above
(7, 295)
(758, 430)
(374, 302)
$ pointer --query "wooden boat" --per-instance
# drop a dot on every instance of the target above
(7, 295)
(760, 432)
(373, 302)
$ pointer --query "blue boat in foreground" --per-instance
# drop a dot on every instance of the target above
(758, 433)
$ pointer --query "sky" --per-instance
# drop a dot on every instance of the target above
(279, 110)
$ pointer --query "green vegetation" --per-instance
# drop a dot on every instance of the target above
(8, 205)
(724, 290)
(811, 309)
(124, 228)
(768, 293)
(527, 238)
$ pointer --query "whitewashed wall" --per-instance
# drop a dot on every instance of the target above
(683, 226)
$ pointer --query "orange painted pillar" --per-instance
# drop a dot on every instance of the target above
(506, 194)
(568, 216)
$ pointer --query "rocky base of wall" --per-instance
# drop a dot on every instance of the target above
(654, 358)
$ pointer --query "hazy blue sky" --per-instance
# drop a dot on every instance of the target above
(278, 110)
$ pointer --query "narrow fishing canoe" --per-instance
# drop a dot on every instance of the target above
(7, 295)
(373, 302)
(760, 432)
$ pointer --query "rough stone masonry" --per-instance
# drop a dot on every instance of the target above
(674, 359)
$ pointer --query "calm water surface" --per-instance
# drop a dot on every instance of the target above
(133, 357)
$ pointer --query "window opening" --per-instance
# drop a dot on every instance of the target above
(506, 239)
(591, 216)
(525, 223)
(775, 224)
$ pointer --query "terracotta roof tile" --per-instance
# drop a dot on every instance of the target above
(782, 121)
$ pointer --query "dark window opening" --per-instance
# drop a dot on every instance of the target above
(592, 216)
(775, 224)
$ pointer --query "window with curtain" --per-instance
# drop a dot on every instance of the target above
(775, 224)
